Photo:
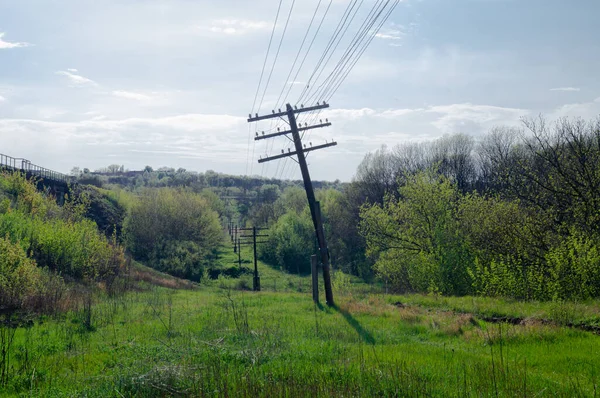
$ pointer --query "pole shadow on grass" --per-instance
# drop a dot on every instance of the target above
(362, 332)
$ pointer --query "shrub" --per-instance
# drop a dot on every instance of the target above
(57, 238)
(290, 244)
(175, 231)
(20, 278)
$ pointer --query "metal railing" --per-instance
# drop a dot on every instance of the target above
(20, 164)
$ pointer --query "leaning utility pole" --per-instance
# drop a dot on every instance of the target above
(310, 194)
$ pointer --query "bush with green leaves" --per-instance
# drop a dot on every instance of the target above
(20, 278)
(433, 238)
(291, 242)
(417, 239)
(41, 239)
(173, 230)
(60, 239)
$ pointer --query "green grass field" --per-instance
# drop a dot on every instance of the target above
(218, 341)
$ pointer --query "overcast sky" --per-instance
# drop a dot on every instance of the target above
(171, 82)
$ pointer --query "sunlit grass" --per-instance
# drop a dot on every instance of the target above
(215, 342)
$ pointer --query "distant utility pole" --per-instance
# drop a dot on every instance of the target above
(234, 238)
(300, 151)
(239, 251)
(256, 279)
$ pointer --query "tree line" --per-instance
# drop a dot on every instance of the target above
(514, 213)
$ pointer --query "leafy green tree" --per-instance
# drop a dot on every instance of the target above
(417, 239)
(290, 244)
(175, 231)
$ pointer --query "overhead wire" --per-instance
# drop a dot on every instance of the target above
(338, 74)
(258, 87)
(336, 82)
(287, 81)
(308, 50)
(336, 32)
(277, 54)
(344, 29)
(342, 25)
(331, 93)
(274, 64)
(354, 44)
(292, 82)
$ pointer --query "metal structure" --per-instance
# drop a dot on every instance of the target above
(20, 164)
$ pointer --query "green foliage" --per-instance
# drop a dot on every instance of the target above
(103, 207)
(574, 265)
(290, 243)
(207, 341)
(19, 276)
(435, 239)
(174, 231)
(417, 239)
(38, 232)
(214, 201)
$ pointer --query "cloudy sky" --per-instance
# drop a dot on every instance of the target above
(171, 82)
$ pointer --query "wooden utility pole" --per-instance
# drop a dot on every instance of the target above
(300, 151)
(256, 278)
(315, 277)
(239, 251)
(235, 240)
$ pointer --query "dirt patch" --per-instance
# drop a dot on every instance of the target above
(504, 319)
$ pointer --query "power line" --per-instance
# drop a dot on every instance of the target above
(334, 85)
(308, 50)
(258, 87)
(336, 32)
(277, 54)
(362, 51)
(298, 54)
(275, 62)
(338, 39)
(354, 44)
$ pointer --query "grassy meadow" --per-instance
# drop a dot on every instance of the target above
(218, 339)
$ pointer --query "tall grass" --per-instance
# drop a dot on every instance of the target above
(217, 342)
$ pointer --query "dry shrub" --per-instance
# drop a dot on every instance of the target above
(410, 315)
(143, 274)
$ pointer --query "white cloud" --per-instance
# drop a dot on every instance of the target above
(351, 114)
(209, 141)
(132, 95)
(8, 45)
(2, 99)
(470, 118)
(72, 70)
(454, 118)
(586, 110)
(390, 35)
(565, 89)
(392, 113)
(236, 27)
(77, 80)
